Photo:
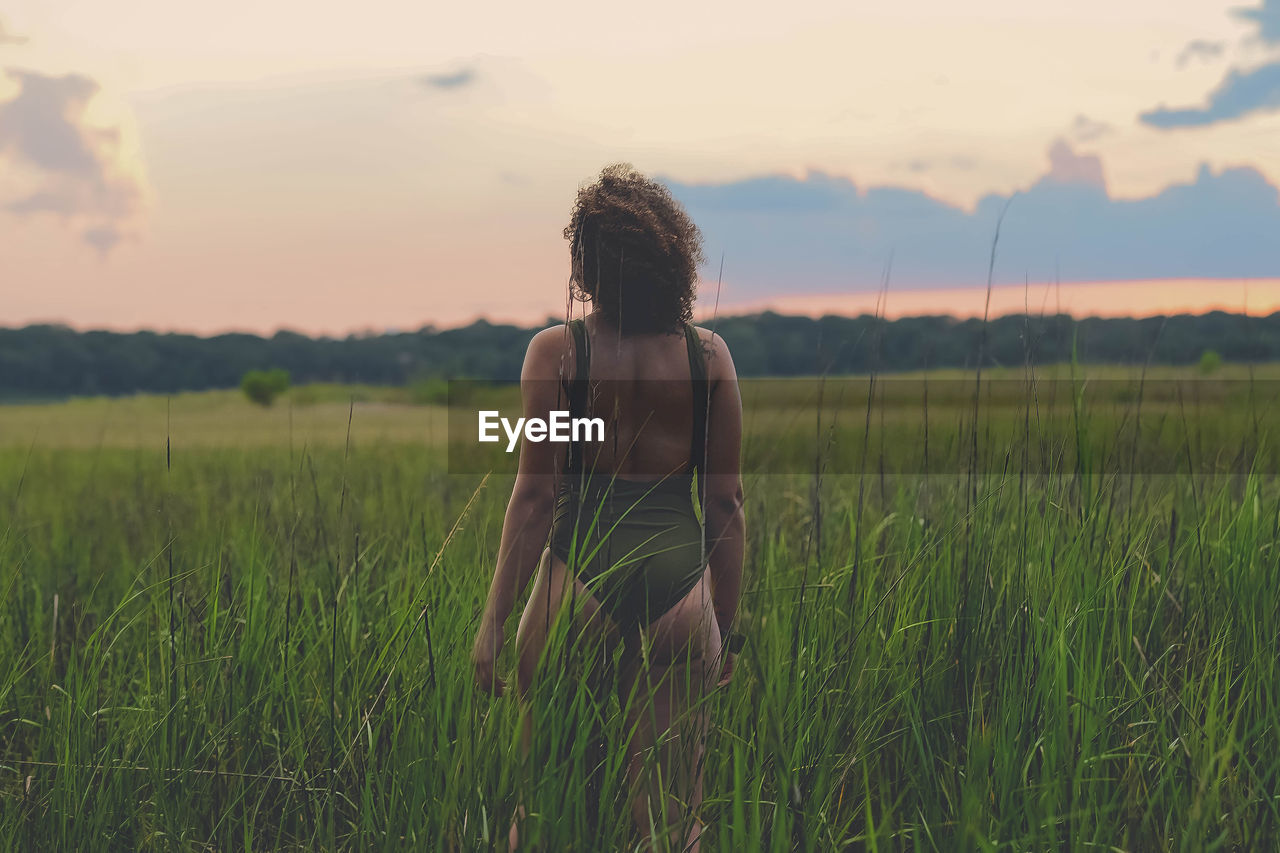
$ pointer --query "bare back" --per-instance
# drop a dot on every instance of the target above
(641, 386)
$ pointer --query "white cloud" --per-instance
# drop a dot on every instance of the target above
(70, 168)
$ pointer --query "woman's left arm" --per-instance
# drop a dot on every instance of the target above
(530, 510)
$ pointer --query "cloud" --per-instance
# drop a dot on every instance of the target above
(7, 37)
(824, 234)
(452, 80)
(45, 201)
(103, 238)
(1085, 129)
(74, 166)
(1068, 167)
(1239, 95)
(1267, 17)
(40, 124)
(1200, 49)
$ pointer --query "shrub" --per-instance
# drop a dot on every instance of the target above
(429, 391)
(263, 386)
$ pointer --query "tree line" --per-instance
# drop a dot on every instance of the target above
(42, 361)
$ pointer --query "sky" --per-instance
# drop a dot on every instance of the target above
(334, 168)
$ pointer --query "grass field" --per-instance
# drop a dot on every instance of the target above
(233, 628)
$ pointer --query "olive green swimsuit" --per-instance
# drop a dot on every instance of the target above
(637, 545)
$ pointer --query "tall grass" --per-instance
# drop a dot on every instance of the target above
(267, 648)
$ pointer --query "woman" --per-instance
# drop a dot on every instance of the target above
(611, 527)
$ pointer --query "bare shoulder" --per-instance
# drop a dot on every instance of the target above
(719, 361)
(550, 338)
(712, 341)
(548, 350)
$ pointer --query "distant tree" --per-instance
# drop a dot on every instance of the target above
(430, 391)
(263, 386)
(55, 361)
(1209, 361)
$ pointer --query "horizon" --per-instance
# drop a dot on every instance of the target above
(1003, 299)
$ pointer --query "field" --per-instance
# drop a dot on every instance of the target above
(226, 627)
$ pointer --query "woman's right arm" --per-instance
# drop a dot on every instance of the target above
(722, 510)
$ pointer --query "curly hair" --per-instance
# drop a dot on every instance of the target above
(634, 252)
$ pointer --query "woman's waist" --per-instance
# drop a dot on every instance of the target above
(597, 482)
(618, 497)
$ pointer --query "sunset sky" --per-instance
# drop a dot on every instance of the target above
(337, 167)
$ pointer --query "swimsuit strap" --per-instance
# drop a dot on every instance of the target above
(576, 389)
(701, 400)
